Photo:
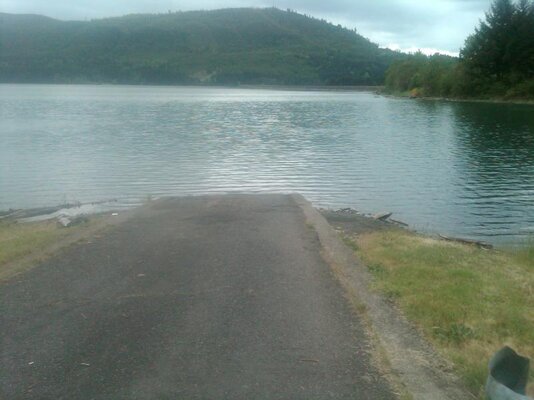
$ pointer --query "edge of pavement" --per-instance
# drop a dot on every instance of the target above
(420, 372)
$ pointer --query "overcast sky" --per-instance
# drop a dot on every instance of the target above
(400, 24)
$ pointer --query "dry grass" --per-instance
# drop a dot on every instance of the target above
(468, 302)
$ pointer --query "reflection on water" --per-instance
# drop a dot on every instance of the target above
(458, 168)
(497, 148)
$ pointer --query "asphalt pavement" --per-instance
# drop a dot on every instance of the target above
(215, 297)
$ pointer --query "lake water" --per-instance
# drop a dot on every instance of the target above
(464, 169)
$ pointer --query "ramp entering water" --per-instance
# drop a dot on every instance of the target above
(222, 297)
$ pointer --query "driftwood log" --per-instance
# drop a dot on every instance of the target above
(382, 216)
(470, 242)
(396, 221)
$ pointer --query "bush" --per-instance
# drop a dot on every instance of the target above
(522, 90)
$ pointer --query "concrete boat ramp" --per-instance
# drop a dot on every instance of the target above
(216, 297)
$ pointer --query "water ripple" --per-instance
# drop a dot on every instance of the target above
(462, 169)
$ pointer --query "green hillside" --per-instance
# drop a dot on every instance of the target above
(229, 46)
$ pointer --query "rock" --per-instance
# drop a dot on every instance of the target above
(347, 211)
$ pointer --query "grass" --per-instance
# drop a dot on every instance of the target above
(467, 301)
(18, 241)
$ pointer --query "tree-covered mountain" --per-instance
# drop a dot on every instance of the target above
(229, 46)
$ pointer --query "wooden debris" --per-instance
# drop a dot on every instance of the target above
(398, 222)
(470, 242)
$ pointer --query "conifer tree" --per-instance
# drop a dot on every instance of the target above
(502, 47)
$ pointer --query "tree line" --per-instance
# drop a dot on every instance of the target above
(497, 60)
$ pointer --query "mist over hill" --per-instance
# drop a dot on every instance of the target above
(224, 47)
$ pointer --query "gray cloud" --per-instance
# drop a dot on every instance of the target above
(405, 24)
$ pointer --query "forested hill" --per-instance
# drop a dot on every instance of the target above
(229, 46)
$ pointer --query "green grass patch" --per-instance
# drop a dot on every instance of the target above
(20, 240)
(467, 301)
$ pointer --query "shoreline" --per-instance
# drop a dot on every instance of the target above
(458, 100)
(304, 88)
(46, 213)
(335, 88)
(489, 101)
(347, 219)
(75, 211)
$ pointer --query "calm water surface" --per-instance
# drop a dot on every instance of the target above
(457, 168)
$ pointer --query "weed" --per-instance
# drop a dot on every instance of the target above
(454, 333)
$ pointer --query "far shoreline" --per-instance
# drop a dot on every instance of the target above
(457, 99)
(378, 90)
(334, 88)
